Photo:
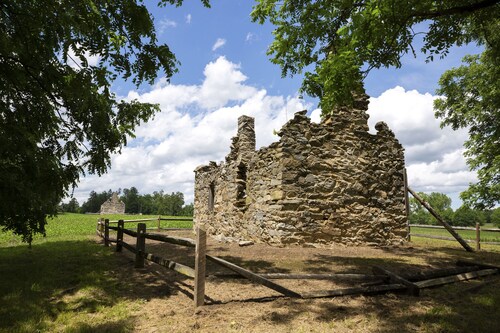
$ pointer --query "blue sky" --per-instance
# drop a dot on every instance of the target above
(225, 73)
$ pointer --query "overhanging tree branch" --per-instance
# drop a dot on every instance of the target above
(466, 9)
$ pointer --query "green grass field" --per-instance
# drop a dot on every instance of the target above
(65, 282)
(69, 282)
(486, 236)
(81, 226)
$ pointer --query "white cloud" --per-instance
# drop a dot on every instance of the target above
(188, 18)
(196, 123)
(220, 42)
(250, 37)
(434, 156)
(76, 62)
(195, 126)
(316, 116)
(164, 24)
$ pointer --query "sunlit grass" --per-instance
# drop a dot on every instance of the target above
(486, 236)
(70, 226)
(66, 282)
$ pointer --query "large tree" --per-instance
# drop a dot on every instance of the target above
(440, 202)
(472, 100)
(58, 115)
(336, 43)
(132, 200)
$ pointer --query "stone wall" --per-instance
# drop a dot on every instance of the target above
(319, 184)
(113, 206)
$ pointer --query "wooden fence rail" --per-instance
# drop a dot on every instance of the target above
(382, 280)
(477, 229)
(141, 255)
(100, 229)
(456, 228)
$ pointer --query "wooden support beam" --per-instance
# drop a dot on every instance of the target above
(436, 273)
(119, 236)
(140, 246)
(130, 232)
(413, 289)
(98, 227)
(354, 291)
(173, 240)
(175, 266)
(440, 220)
(478, 237)
(407, 204)
(473, 263)
(438, 237)
(455, 278)
(366, 278)
(254, 277)
(200, 266)
(325, 276)
(106, 232)
(129, 247)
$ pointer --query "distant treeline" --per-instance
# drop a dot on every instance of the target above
(159, 203)
(463, 216)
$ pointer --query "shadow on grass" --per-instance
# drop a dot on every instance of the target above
(452, 308)
(71, 284)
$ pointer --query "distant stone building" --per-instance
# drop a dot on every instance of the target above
(113, 206)
(324, 183)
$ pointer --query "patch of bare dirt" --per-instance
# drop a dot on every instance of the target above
(237, 305)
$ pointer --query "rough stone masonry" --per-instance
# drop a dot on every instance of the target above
(113, 206)
(324, 183)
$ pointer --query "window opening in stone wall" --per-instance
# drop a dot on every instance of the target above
(211, 197)
(241, 183)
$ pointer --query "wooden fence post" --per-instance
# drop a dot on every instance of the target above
(478, 237)
(119, 236)
(140, 245)
(159, 222)
(407, 203)
(106, 232)
(199, 266)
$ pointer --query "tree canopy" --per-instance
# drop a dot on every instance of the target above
(335, 43)
(159, 203)
(472, 100)
(440, 202)
(58, 115)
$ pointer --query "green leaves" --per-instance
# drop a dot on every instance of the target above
(58, 116)
(472, 100)
(329, 38)
(335, 44)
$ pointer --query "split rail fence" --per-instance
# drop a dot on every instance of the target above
(382, 280)
(477, 230)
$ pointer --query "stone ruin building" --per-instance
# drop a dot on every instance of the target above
(113, 206)
(324, 183)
